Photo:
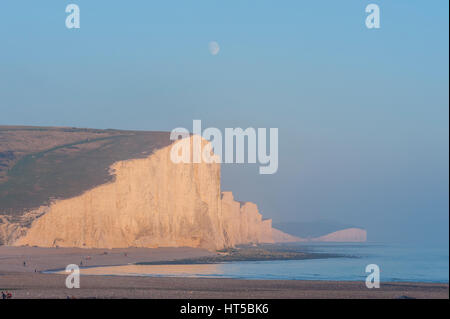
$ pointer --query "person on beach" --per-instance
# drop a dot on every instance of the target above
(6, 295)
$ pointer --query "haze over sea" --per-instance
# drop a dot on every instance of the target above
(397, 262)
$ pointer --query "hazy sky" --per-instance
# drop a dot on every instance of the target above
(362, 114)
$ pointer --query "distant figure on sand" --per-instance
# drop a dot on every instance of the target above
(6, 295)
(24, 264)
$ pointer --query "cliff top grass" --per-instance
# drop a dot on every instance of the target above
(40, 164)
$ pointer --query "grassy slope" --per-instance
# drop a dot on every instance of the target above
(68, 169)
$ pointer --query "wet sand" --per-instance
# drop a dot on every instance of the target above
(23, 282)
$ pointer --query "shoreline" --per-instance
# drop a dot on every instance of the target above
(61, 272)
(23, 282)
(42, 259)
(166, 272)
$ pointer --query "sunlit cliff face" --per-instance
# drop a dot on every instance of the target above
(152, 202)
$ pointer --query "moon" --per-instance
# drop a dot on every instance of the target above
(214, 47)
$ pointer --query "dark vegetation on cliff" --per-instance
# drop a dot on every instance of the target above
(39, 164)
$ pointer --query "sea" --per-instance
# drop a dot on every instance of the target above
(396, 262)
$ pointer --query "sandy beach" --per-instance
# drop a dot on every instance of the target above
(41, 259)
(23, 282)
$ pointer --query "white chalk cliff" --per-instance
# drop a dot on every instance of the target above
(345, 235)
(151, 202)
(280, 237)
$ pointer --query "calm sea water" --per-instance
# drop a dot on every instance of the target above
(396, 262)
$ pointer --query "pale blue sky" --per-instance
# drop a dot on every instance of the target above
(362, 114)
